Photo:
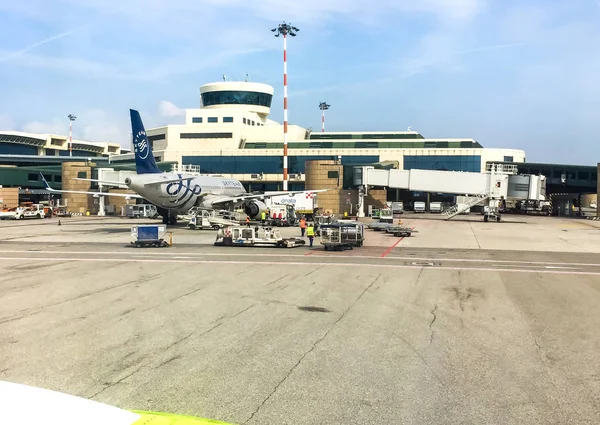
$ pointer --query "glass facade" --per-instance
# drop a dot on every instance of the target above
(77, 153)
(367, 145)
(206, 135)
(316, 136)
(470, 163)
(15, 149)
(156, 137)
(236, 98)
(265, 164)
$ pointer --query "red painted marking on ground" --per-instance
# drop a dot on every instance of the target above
(309, 253)
(391, 247)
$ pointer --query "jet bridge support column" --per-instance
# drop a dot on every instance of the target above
(362, 193)
(101, 210)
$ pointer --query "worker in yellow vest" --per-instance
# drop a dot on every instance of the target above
(263, 217)
(310, 232)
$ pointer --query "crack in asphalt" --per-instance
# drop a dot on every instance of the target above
(432, 322)
(314, 345)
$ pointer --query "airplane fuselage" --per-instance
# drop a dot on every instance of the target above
(185, 194)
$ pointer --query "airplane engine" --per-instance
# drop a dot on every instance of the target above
(254, 208)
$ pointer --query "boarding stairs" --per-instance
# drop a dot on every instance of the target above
(470, 202)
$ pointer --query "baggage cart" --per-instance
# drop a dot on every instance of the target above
(341, 236)
(399, 231)
(149, 235)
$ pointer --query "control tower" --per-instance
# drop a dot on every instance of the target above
(243, 95)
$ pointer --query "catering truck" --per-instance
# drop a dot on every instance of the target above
(304, 203)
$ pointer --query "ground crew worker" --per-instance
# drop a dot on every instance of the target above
(263, 217)
(302, 226)
(248, 221)
(310, 232)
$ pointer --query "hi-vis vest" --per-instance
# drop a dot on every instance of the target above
(263, 216)
(310, 231)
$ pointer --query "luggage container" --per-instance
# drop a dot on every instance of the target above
(150, 235)
(340, 236)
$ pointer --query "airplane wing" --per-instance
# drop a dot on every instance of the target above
(104, 182)
(260, 196)
(49, 189)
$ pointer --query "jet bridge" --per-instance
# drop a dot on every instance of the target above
(499, 182)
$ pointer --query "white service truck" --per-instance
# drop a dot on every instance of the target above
(304, 203)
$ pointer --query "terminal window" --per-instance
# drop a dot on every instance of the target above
(227, 119)
(213, 119)
(471, 163)
(82, 175)
(197, 120)
(508, 159)
(228, 97)
(205, 135)
(245, 121)
(267, 164)
(32, 177)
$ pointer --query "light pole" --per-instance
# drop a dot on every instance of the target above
(323, 106)
(285, 29)
(71, 119)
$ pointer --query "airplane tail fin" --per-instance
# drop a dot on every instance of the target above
(46, 185)
(144, 159)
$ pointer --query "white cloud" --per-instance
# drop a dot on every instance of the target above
(97, 125)
(15, 53)
(168, 109)
(54, 126)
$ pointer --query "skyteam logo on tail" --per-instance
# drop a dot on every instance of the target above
(140, 145)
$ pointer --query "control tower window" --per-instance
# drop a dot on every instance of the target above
(236, 98)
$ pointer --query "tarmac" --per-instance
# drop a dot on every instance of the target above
(463, 322)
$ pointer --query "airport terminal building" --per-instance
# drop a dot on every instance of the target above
(231, 135)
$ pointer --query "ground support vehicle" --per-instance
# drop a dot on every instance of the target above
(255, 236)
(209, 220)
(150, 235)
(341, 236)
(401, 231)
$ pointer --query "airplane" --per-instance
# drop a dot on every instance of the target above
(176, 193)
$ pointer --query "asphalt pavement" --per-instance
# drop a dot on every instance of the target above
(298, 336)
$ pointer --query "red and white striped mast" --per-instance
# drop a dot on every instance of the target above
(285, 29)
(71, 119)
(323, 106)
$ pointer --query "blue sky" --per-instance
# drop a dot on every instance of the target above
(514, 74)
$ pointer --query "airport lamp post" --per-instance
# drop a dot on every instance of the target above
(323, 106)
(71, 119)
(285, 29)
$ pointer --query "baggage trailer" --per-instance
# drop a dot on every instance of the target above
(255, 236)
(149, 235)
(399, 231)
(341, 236)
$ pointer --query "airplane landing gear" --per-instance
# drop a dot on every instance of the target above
(168, 217)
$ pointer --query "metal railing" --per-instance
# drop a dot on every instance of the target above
(471, 201)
